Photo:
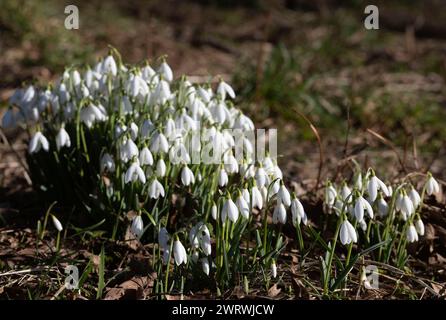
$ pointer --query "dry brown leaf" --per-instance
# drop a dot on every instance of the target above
(274, 291)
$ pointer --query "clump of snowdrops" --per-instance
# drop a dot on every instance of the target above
(114, 141)
(379, 218)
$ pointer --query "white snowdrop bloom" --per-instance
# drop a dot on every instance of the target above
(128, 150)
(205, 265)
(284, 195)
(414, 197)
(229, 210)
(170, 129)
(133, 129)
(107, 163)
(179, 253)
(9, 119)
(223, 89)
(147, 72)
(330, 195)
(178, 153)
(363, 225)
(204, 238)
(90, 114)
(358, 182)
(187, 176)
(231, 164)
(159, 143)
(361, 205)
(161, 168)
(347, 233)
(156, 189)
(145, 157)
(273, 269)
(62, 139)
(76, 78)
(257, 199)
(162, 93)
(432, 186)
(345, 193)
(146, 129)
(137, 227)
(383, 207)
(57, 223)
(194, 256)
(297, 211)
(109, 66)
(222, 178)
(407, 207)
(134, 173)
(166, 71)
(419, 225)
(264, 192)
(274, 188)
(194, 237)
(214, 211)
(37, 142)
(398, 201)
(243, 206)
(412, 235)
(374, 184)
(279, 214)
(204, 94)
(246, 195)
(261, 178)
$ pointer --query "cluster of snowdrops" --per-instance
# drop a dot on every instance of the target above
(114, 139)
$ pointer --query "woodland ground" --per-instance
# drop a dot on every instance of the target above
(334, 90)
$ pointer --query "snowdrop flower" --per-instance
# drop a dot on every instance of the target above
(383, 207)
(222, 178)
(214, 211)
(159, 143)
(90, 114)
(330, 195)
(246, 195)
(229, 211)
(261, 178)
(57, 223)
(156, 189)
(374, 185)
(134, 173)
(419, 225)
(257, 199)
(361, 205)
(187, 177)
(223, 89)
(128, 150)
(62, 139)
(107, 163)
(204, 238)
(279, 214)
(205, 265)
(37, 142)
(273, 269)
(109, 65)
(414, 197)
(345, 192)
(432, 185)
(166, 71)
(137, 227)
(347, 233)
(145, 157)
(297, 212)
(160, 168)
(412, 235)
(243, 206)
(283, 195)
(133, 129)
(406, 207)
(179, 253)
